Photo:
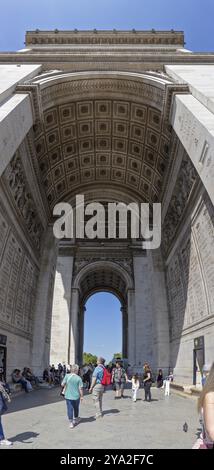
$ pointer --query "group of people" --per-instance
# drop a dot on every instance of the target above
(102, 377)
(26, 378)
(54, 375)
(72, 389)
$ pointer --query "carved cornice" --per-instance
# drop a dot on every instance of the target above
(171, 90)
(81, 87)
(35, 97)
(133, 37)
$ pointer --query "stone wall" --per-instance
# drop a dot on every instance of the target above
(190, 281)
(18, 283)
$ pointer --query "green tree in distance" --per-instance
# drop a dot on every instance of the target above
(117, 356)
(89, 358)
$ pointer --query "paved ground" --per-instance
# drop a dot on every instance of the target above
(38, 420)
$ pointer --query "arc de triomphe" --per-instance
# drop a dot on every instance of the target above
(117, 116)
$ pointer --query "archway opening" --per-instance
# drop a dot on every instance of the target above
(103, 325)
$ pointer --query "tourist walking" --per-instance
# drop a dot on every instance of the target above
(4, 398)
(97, 388)
(147, 382)
(135, 386)
(72, 387)
(119, 378)
(167, 382)
(160, 379)
(206, 408)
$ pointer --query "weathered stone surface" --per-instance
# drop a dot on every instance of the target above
(106, 132)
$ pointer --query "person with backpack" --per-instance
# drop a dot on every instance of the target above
(98, 385)
(119, 378)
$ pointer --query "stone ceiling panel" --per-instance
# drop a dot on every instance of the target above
(117, 142)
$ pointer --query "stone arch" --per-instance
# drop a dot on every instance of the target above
(99, 276)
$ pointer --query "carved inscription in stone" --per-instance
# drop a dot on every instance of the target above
(25, 297)
(3, 233)
(184, 184)
(9, 275)
(176, 296)
(204, 235)
(187, 286)
(18, 280)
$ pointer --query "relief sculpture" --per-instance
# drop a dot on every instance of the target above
(18, 187)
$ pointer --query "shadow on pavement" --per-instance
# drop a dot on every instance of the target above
(111, 411)
(87, 420)
(24, 436)
(40, 397)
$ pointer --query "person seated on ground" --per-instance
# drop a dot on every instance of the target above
(18, 378)
(28, 375)
(46, 376)
(160, 379)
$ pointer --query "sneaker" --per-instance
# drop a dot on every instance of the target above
(71, 425)
(5, 442)
(77, 420)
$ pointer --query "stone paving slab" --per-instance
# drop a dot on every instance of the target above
(38, 420)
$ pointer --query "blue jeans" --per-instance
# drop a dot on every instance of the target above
(1, 431)
(72, 408)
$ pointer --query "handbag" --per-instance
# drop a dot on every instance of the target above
(62, 393)
(4, 393)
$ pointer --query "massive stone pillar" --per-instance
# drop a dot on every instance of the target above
(159, 307)
(192, 118)
(131, 328)
(143, 311)
(124, 330)
(43, 307)
(60, 331)
(81, 320)
(74, 326)
(16, 112)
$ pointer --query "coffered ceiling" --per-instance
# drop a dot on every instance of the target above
(109, 143)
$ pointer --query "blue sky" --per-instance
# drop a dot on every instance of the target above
(103, 325)
(195, 17)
